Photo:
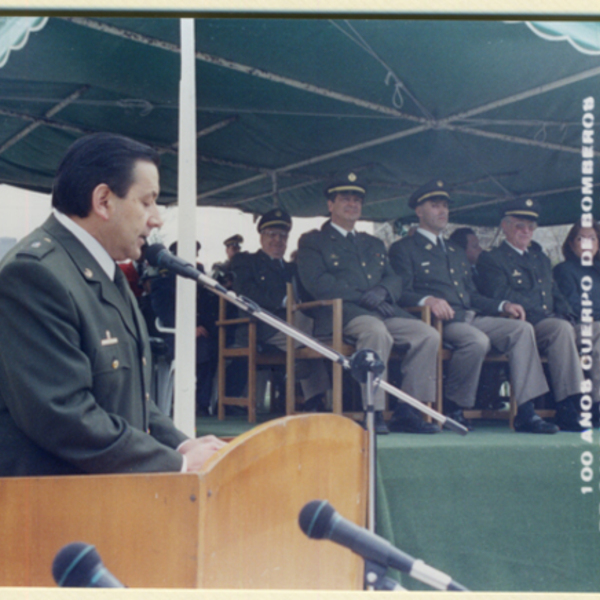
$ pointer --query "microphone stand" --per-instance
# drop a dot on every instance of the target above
(256, 311)
(364, 365)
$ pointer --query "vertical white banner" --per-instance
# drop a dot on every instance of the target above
(184, 410)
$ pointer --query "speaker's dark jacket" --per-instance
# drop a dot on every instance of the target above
(75, 367)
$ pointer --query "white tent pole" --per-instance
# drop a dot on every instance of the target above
(184, 410)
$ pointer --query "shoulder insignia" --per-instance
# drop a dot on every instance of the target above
(37, 248)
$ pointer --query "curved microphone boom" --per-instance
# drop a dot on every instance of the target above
(319, 520)
(79, 565)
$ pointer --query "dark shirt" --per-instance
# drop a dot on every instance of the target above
(568, 276)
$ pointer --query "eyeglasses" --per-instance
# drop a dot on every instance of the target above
(525, 226)
(272, 234)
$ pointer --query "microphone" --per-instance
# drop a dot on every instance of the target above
(158, 256)
(79, 565)
(318, 520)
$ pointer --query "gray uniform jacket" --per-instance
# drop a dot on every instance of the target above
(75, 367)
(427, 270)
(524, 279)
(332, 266)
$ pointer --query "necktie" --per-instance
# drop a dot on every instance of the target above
(121, 283)
(441, 244)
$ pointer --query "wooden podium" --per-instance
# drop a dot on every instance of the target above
(234, 525)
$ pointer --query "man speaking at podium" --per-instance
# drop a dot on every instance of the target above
(75, 362)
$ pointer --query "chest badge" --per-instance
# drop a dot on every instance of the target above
(516, 273)
(109, 340)
(428, 247)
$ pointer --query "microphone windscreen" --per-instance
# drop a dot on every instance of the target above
(73, 564)
(153, 252)
(315, 518)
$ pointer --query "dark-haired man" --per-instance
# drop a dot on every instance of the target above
(436, 273)
(75, 362)
(263, 276)
(338, 262)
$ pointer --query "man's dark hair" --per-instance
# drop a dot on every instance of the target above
(94, 159)
(459, 236)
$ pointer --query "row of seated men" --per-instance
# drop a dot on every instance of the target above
(511, 304)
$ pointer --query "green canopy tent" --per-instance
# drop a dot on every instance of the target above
(494, 108)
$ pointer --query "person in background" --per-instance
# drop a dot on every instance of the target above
(163, 298)
(221, 271)
(519, 270)
(263, 276)
(467, 239)
(436, 273)
(582, 267)
(339, 262)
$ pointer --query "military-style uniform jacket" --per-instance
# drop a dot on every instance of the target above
(75, 367)
(568, 276)
(426, 270)
(525, 279)
(262, 279)
(332, 266)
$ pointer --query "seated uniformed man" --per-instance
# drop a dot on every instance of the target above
(262, 277)
(519, 270)
(337, 262)
(221, 270)
(436, 273)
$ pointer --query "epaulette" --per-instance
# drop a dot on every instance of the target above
(37, 248)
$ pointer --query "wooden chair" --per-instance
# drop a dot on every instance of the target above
(337, 343)
(250, 353)
(492, 358)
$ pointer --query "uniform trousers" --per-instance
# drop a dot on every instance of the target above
(421, 343)
(556, 340)
(472, 339)
(313, 377)
(594, 372)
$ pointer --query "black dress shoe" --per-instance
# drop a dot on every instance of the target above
(407, 420)
(459, 416)
(527, 421)
(567, 414)
(535, 425)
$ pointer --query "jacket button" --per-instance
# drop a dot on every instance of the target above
(544, 307)
(369, 276)
(456, 283)
(364, 264)
(115, 364)
(451, 270)
(519, 281)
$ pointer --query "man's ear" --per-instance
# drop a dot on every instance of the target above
(102, 199)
